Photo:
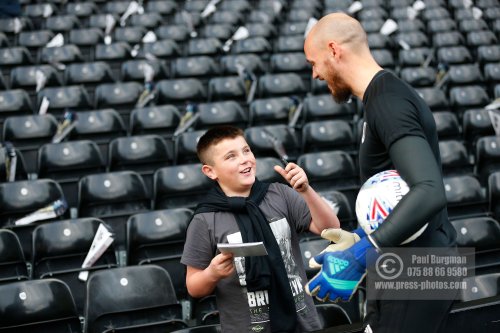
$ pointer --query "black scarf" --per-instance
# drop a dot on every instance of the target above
(262, 272)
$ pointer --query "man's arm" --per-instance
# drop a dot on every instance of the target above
(322, 215)
(413, 158)
(202, 282)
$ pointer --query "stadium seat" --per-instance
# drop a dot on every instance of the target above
(481, 286)
(178, 90)
(13, 265)
(99, 20)
(100, 126)
(148, 20)
(328, 135)
(448, 39)
(327, 170)
(88, 73)
(441, 25)
(204, 46)
(280, 84)
(266, 30)
(230, 17)
(25, 76)
(221, 113)
(265, 170)
(35, 39)
(161, 7)
(414, 39)
(464, 74)
(117, 51)
(414, 56)
(434, 97)
(6, 154)
(141, 153)
(15, 102)
(475, 124)
(419, 76)
(251, 62)
(164, 49)
(62, 23)
(185, 146)
(262, 145)
(20, 198)
(478, 38)
(113, 197)
(130, 35)
(384, 58)
(115, 7)
(226, 88)
(67, 162)
(310, 248)
(82, 9)
(206, 313)
(447, 125)
(488, 53)
(128, 299)
(61, 54)
(469, 25)
(465, 196)
(175, 33)
(269, 111)
(454, 55)
(292, 43)
(255, 45)
(38, 306)
(321, 107)
(161, 120)
(197, 66)
(289, 62)
(121, 96)
(15, 56)
(212, 328)
(180, 186)
(59, 250)
(73, 97)
(28, 133)
(454, 158)
(157, 238)
(468, 97)
(373, 26)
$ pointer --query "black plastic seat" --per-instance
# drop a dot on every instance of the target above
(135, 298)
(161, 7)
(384, 58)
(220, 113)
(318, 107)
(204, 46)
(198, 66)
(268, 111)
(100, 126)
(177, 90)
(66, 162)
(82, 9)
(292, 43)
(454, 55)
(476, 123)
(465, 74)
(74, 97)
(180, 186)
(20, 198)
(38, 306)
(262, 146)
(327, 135)
(484, 37)
(141, 153)
(415, 39)
(251, 62)
(116, 7)
(130, 35)
(60, 248)
(28, 133)
(487, 157)
(62, 23)
(149, 20)
(118, 95)
(14, 102)
(469, 25)
(158, 238)
(481, 286)
(414, 57)
(133, 70)
(265, 170)
(280, 84)
(441, 25)
(256, 45)
(65, 54)
(231, 17)
(448, 39)
(327, 170)
(447, 125)
(166, 48)
(99, 20)
(13, 266)
(293, 28)
(86, 37)
(419, 76)
(15, 56)
(185, 146)
(25, 76)
(113, 197)
(113, 51)
(226, 88)
(88, 73)
(454, 157)
(482, 233)
(289, 62)
(35, 39)
(468, 97)
(434, 97)
(332, 315)
(465, 196)
(177, 33)
(161, 120)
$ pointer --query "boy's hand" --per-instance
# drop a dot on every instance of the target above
(294, 175)
(221, 266)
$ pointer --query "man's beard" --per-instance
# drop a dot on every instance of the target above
(340, 91)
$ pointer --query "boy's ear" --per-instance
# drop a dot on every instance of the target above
(208, 171)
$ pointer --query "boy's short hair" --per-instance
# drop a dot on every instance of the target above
(212, 137)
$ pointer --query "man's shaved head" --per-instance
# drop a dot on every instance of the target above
(341, 28)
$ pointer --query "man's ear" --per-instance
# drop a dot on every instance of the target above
(334, 49)
(208, 171)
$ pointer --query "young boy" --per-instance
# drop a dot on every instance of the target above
(258, 293)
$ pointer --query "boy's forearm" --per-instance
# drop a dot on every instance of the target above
(322, 215)
(201, 283)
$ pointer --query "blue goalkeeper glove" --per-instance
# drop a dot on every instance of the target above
(340, 274)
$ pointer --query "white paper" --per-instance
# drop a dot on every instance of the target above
(310, 24)
(56, 41)
(48, 212)
(355, 7)
(102, 240)
(495, 120)
(493, 105)
(243, 249)
(389, 27)
(44, 106)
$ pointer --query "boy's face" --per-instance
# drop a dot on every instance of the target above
(232, 165)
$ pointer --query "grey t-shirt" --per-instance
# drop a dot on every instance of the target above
(240, 310)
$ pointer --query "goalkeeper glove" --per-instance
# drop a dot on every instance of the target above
(342, 239)
(341, 272)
